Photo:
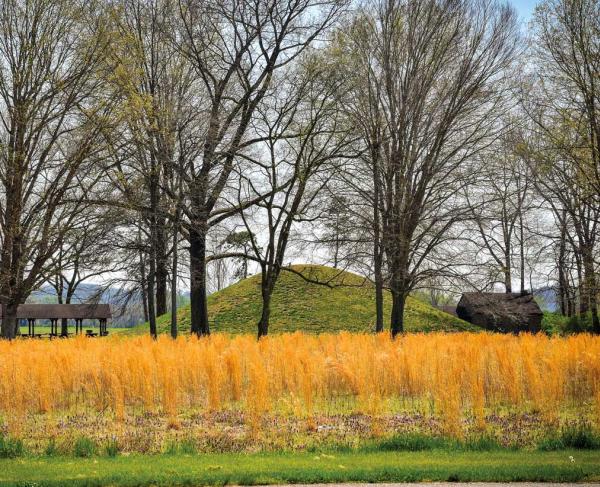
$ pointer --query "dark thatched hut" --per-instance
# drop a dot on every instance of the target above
(504, 312)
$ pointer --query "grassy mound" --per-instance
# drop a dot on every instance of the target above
(343, 302)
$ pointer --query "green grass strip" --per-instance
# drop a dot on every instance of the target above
(275, 468)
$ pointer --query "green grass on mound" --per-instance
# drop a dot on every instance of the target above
(307, 468)
(348, 305)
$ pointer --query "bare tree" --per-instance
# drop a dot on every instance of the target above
(499, 200)
(51, 116)
(304, 133)
(236, 48)
(156, 86)
(431, 74)
(556, 175)
(564, 104)
(85, 254)
(567, 40)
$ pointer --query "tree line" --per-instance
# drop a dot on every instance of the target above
(432, 144)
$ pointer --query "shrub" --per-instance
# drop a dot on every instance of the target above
(11, 447)
(51, 449)
(484, 442)
(553, 323)
(550, 443)
(578, 324)
(84, 447)
(412, 442)
(421, 442)
(580, 436)
(112, 448)
(186, 447)
(171, 448)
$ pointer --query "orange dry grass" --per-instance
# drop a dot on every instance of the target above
(458, 374)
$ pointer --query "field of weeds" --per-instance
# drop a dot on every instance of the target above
(300, 392)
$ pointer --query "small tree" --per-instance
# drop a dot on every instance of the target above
(303, 135)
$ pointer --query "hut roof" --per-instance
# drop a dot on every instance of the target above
(501, 311)
(59, 311)
(448, 308)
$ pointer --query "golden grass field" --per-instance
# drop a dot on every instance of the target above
(143, 390)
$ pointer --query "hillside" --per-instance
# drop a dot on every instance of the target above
(298, 305)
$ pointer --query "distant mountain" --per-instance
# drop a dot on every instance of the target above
(546, 298)
(127, 310)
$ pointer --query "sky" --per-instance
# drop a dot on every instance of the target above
(524, 8)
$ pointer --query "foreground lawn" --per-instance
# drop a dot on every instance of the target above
(248, 469)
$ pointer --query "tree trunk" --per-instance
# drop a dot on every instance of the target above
(590, 287)
(562, 293)
(563, 285)
(377, 245)
(595, 318)
(400, 277)
(507, 281)
(9, 321)
(263, 323)
(397, 318)
(198, 306)
(571, 302)
(245, 267)
(174, 280)
(507, 271)
(269, 277)
(64, 327)
(336, 248)
(522, 251)
(378, 300)
(378, 288)
(143, 279)
(583, 298)
(151, 304)
(64, 324)
(144, 299)
(161, 268)
(153, 220)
